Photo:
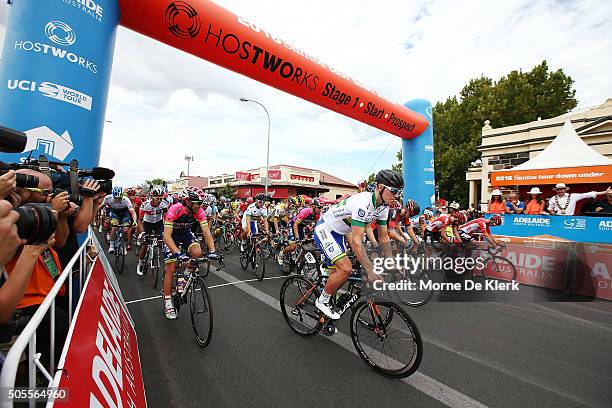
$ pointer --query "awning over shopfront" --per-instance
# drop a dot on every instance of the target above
(568, 159)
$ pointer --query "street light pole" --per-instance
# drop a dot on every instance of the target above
(268, 149)
(189, 159)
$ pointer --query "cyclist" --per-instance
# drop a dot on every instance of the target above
(479, 225)
(150, 221)
(212, 211)
(251, 216)
(306, 217)
(120, 211)
(177, 233)
(349, 218)
(436, 230)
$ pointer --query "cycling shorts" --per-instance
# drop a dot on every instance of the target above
(184, 241)
(329, 243)
(432, 236)
(465, 237)
(120, 217)
(156, 228)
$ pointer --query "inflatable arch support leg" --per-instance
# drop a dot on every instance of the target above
(55, 74)
(418, 159)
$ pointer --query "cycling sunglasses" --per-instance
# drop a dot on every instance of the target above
(393, 190)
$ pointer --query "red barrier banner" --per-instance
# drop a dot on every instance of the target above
(101, 365)
(534, 266)
(208, 31)
(593, 275)
(274, 174)
(243, 176)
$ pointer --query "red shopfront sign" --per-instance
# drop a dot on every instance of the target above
(299, 177)
(543, 267)
(243, 192)
(101, 367)
(274, 192)
(274, 174)
(243, 176)
(593, 275)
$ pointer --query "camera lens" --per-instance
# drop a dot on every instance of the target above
(106, 186)
(36, 223)
(26, 181)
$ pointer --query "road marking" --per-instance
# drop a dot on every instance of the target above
(209, 287)
(427, 385)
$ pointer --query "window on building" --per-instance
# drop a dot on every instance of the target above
(338, 196)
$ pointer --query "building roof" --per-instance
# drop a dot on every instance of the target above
(326, 178)
(197, 181)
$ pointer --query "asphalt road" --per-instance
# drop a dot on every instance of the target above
(519, 354)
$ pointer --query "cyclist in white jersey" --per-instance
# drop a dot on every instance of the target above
(349, 218)
(120, 211)
(251, 216)
(150, 221)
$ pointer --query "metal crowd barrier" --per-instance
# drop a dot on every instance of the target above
(28, 336)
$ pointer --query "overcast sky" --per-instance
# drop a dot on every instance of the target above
(403, 49)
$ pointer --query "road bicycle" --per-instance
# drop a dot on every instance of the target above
(195, 293)
(153, 256)
(225, 240)
(250, 254)
(384, 334)
(495, 266)
(120, 249)
(305, 260)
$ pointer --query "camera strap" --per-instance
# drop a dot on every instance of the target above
(43, 165)
(74, 177)
(50, 264)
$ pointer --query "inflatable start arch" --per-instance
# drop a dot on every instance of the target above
(55, 71)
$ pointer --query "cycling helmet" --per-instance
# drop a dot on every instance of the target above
(428, 212)
(260, 197)
(117, 192)
(212, 199)
(316, 202)
(496, 220)
(454, 206)
(412, 207)
(459, 218)
(293, 200)
(130, 192)
(371, 187)
(193, 194)
(157, 192)
(223, 199)
(249, 200)
(390, 178)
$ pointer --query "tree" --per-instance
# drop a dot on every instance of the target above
(516, 98)
(156, 182)
(227, 190)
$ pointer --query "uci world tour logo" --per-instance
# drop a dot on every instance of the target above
(183, 20)
(60, 33)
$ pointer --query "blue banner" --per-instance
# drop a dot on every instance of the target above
(418, 159)
(54, 76)
(573, 228)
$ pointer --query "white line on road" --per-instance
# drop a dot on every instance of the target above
(427, 385)
(209, 287)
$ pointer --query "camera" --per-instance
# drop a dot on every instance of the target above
(12, 141)
(23, 180)
(36, 223)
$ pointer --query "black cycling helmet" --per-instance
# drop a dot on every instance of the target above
(412, 207)
(260, 197)
(390, 178)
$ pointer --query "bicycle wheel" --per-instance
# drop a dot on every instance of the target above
(286, 267)
(297, 301)
(119, 255)
(229, 240)
(244, 257)
(498, 268)
(393, 349)
(258, 263)
(415, 295)
(155, 266)
(201, 310)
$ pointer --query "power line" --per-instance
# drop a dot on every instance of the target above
(379, 156)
